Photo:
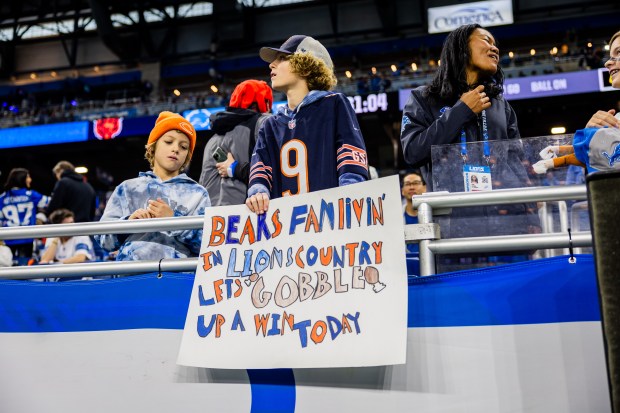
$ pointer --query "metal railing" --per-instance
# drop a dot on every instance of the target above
(431, 246)
(101, 268)
(426, 233)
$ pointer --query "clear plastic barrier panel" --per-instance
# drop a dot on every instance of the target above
(509, 165)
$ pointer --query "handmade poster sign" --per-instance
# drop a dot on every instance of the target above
(319, 280)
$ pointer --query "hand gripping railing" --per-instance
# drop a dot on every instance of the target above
(426, 232)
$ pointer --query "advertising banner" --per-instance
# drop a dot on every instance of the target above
(68, 132)
(543, 86)
(485, 13)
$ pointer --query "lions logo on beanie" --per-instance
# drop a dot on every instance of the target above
(167, 121)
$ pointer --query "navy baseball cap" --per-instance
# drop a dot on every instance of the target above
(298, 44)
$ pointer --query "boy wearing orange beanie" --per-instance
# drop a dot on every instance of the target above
(162, 192)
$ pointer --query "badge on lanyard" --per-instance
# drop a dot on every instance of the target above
(477, 178)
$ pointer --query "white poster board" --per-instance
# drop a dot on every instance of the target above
(320, 280)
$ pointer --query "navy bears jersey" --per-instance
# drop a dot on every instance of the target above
(18, 207)
(309, 150)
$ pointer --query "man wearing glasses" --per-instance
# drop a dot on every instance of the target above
(413, 184)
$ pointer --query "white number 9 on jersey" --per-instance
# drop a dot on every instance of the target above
(299, 170)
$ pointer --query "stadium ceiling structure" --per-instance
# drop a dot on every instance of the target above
(149, 30)
(125, 26)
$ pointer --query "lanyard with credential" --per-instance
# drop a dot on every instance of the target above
(485, 138)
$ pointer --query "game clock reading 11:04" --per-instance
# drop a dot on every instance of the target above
(370, 103)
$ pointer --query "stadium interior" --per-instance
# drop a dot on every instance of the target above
(79, 60)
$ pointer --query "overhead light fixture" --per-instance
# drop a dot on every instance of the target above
(214, 88)
(53, 74)
(81, 169)
(348, 74)
(33, 76)
(394, 68)
(176, 92)
(532, 52)
(558, 130)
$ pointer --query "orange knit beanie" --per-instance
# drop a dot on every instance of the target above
(167, 121)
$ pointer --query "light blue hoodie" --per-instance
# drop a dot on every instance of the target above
(184, 195)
